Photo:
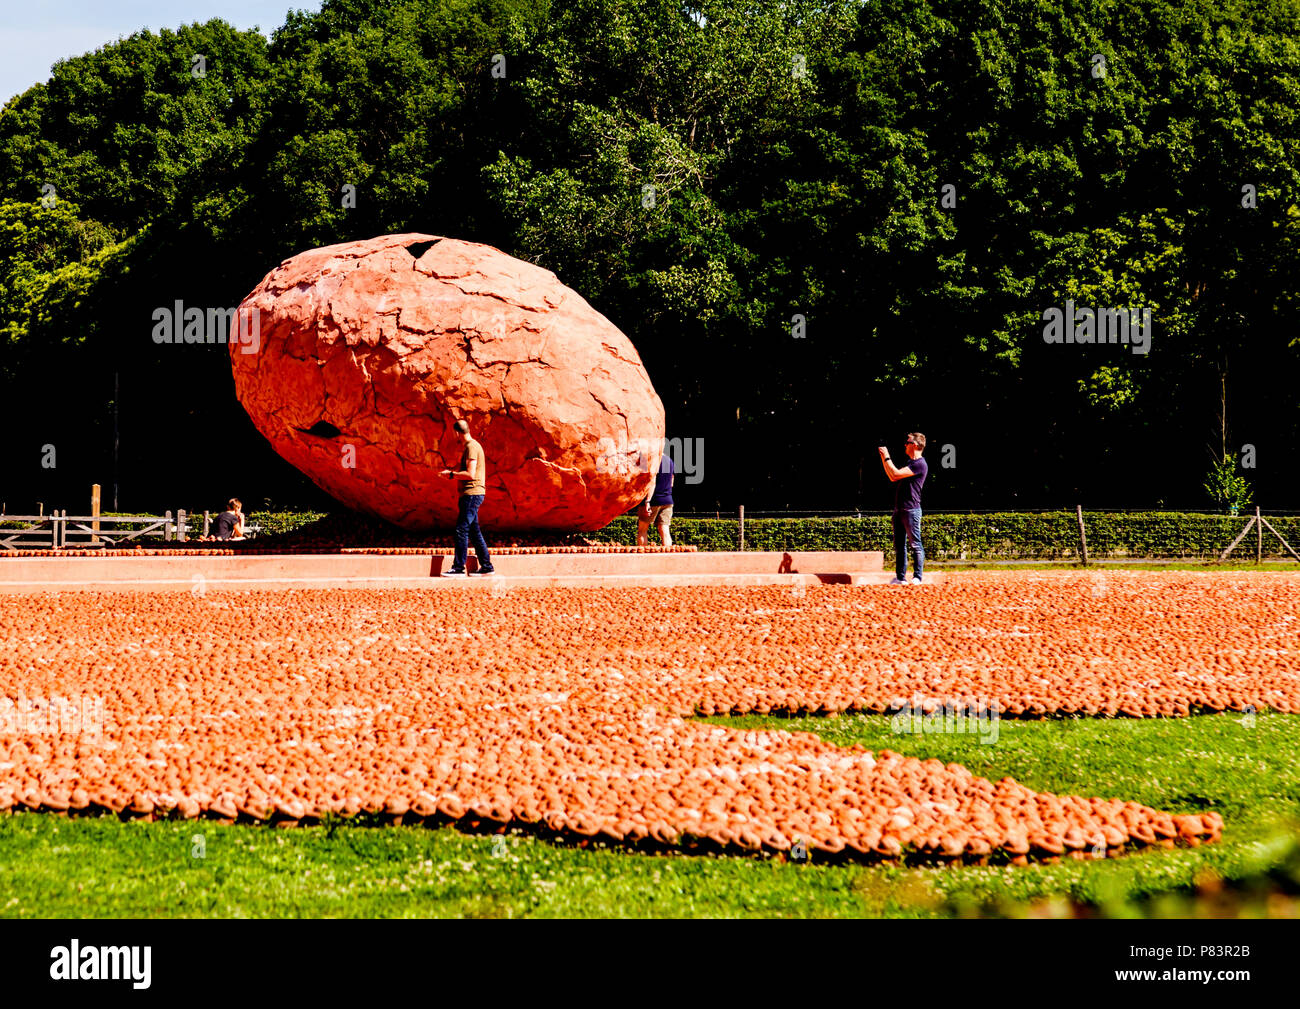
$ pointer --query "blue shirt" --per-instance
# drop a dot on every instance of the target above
(663, 493)
(907, 491)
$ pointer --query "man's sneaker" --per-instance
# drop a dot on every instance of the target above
(455, 573)
(917, 581)
(898, 581)
(489, 570)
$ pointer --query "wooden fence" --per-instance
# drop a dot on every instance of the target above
(59, 531)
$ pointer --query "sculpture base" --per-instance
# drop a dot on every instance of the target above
(200, 572)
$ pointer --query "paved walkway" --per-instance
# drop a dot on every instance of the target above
(199, 574)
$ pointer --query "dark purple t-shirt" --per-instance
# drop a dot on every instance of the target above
(907, 491)
(663, 494)
(225, 525)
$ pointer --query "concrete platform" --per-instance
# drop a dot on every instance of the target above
(339, 571)
(491, 584)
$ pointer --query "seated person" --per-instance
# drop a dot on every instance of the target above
(230, 523)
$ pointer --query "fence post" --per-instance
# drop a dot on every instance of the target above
(1259, 538)
(167, 526)
(94, 512)
(1083, 537)
(1280, 537)
(1240, 536)
(207, 523)
(180, 524)
(742, 528)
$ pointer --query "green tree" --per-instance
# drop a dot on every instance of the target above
(1229, 490)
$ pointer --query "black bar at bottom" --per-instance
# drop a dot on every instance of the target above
(569, 961)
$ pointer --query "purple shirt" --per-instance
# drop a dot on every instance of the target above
(907, 491)
(226, 523)
(663, 493)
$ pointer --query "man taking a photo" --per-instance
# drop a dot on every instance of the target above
(907, 508)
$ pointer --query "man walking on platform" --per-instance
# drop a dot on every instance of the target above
(472, 475)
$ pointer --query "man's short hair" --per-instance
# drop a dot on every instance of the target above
(234, 504)
(919, 438)
(462, 426)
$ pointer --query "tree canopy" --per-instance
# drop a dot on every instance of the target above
(820, 222)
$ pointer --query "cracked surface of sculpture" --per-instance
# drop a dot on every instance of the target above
(369, 351)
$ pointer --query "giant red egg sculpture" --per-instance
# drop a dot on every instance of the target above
(355, 360)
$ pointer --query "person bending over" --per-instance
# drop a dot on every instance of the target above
(230, 523)
(657, 509)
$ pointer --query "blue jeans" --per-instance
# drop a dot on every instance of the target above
(907, 538)
(466, 528)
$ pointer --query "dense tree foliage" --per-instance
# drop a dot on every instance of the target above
(819, 222)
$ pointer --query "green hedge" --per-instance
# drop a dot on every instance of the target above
(989, 536)
(993, 536)
(274, 523)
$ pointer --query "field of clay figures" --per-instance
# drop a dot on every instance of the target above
(1132, 727)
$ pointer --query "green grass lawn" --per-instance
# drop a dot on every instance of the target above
(101, 867)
